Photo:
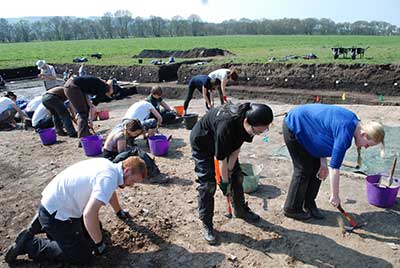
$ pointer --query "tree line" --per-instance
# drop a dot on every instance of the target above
(121, 24)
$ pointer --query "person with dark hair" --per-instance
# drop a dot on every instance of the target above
(313, 132)
(8, 110)
(54, 100)
(120, 137)
(69, 211)
(77, 89)
(205, 86)
(220, 134)
(223, 75)
(155, 98)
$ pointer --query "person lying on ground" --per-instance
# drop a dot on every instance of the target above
(47, 74)
(8, 110)
(120, 137)
(155, 98)
(313, 132)
(205, 86)
(54, 100)
(223, 75)
(220, 134)
(142, 110)
(76, 89)
(69, 211)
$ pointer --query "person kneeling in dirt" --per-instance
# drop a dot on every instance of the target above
(221, 133)
(143, 110)
(69, 211)
(8, 109)
(119, 138)
(313, 132)
(167, 114)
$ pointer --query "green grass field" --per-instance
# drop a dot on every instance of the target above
(247, 48)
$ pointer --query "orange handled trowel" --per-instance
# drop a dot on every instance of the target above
(353, 224)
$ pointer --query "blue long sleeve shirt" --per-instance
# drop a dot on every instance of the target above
(323, 130)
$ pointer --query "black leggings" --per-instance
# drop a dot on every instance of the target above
(189, 96)
(304, 187)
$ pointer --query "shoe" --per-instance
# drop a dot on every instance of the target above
(61, 132)
(17, 248)
(247, 215)
(316, 213)
(73, 135)
(300, 216)
(208, 234)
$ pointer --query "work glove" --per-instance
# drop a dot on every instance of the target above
(225, 99)
(225, 187)
(123, 215)
(99, 248)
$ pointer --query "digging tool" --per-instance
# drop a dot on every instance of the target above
(353, 224)
(228, 197)
(392, 171)
(388, 181)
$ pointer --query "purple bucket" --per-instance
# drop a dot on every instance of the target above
(92, 145)
(48, 136)
(158, 145)
(384, 197)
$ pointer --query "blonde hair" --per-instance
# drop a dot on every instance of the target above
(375, 132)
(136, 164)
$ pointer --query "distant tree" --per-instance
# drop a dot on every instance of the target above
(22, 31)
(106, 22)
(5, 31)
(123, 19)
(195, 24)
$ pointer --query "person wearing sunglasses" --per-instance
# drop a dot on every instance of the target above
(313, 132)
(220, 134)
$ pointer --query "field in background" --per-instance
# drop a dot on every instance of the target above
(247, 49)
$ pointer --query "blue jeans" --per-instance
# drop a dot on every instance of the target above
(67, 240)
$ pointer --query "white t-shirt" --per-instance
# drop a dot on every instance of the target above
(69, 192)
(5, 103)
(49, 71)
(33, 104)
(221, 74)
(40, 113)
(139, 110)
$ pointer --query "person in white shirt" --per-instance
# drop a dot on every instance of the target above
(8, 109)
(47, 74)
(223, 75)
(69, 211)
(42, 118)
(141, 110)
(32, 105)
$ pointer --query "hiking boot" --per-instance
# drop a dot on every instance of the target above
(315, 213)
(17, 248)
(300, 215)
(209, 235)
(246, 214)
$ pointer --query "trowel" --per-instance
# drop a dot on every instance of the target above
(384, 181)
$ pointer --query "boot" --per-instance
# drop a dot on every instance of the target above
(209, 235)
(18, 247)
(246, 214)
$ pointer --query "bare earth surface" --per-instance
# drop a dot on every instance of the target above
(165, 230)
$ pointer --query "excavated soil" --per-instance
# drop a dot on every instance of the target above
(165, 230)
(197, 52)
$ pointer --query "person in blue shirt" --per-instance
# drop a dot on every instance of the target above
(313, 132)
(204, 84)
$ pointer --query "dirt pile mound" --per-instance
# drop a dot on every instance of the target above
(197, 52)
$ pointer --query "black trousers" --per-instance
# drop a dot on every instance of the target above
(68, 241)
(60, 114)
(205, 171)
(189, 97)
(304, 187)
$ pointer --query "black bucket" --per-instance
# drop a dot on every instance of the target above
(190, 120)
(140, 61)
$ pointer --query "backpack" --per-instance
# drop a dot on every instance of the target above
(152, 169)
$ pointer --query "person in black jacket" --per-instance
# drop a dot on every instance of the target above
(77, 90)
(220, 134)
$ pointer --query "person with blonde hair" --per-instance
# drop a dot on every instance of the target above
(69, 211)
(313, 132)
(119, 138)
(223, 75)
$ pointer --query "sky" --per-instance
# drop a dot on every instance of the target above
(213, 10)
